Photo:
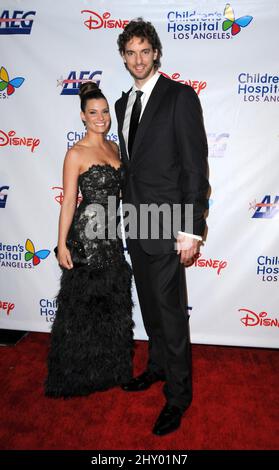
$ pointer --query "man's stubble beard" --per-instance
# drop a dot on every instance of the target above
(142, 77)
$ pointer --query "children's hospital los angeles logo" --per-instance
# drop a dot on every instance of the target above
(47, 309)
(73, 136)
(268, 268)
(258, 87)
(7, 85)
(21, 256)
(232, 24)
(200, 24)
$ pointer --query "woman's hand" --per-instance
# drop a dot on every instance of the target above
(64, 258)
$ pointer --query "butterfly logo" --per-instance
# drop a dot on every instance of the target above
(5, 82)
(235, 24)
(36, 256)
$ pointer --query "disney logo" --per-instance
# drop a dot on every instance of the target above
(208, 263)
(10, 139)
(97, 21)
(253, 319)
(195, 84)
(9, 306)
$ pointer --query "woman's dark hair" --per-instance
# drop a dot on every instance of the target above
(89, 91)
(141, 29)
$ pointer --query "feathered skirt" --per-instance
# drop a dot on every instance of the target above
(92, 335)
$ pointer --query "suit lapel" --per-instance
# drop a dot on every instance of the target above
(121, 116)
(153, 103)
(122, 108)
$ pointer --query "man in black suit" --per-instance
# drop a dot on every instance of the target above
(163, 145)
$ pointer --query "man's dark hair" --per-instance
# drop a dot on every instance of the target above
(141, 29)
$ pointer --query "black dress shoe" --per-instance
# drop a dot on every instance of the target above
(168, 421)
(142, 382)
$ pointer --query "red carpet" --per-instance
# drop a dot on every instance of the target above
(235, 406)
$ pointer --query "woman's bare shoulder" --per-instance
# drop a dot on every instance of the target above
(74, 157)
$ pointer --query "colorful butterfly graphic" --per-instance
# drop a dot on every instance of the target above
(31, 254)
(231, 22)
(6, 83)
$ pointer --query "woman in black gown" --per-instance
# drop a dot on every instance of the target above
(92, 338)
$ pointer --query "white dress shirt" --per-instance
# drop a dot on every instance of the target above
(146, 90)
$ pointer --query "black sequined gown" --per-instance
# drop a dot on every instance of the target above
(91, 339)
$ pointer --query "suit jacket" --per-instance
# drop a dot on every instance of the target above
(169, 158)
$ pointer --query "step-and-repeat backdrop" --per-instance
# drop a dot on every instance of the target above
(228, 53)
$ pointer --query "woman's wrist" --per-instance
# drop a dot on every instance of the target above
(61, 245)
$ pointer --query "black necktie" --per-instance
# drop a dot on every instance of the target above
(134, 121)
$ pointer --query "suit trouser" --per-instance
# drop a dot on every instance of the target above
(161, 287)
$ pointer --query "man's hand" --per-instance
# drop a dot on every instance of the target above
(187, 247)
